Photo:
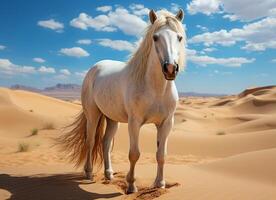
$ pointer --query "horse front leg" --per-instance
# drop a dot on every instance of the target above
(134, 153)
(162, 139)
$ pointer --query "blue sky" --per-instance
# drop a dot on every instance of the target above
(231, 44)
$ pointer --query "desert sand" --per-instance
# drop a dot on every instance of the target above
(220, 148)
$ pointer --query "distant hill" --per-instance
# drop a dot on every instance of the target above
(23, 87)
(60, 86)
(64, 91)
(73, 91)
(60, 91)
(195, 94)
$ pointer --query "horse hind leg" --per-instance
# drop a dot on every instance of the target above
(110, 131)
(92, 122)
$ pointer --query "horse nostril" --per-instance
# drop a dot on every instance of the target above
(165, 69)
(176, 67)
(171, 68)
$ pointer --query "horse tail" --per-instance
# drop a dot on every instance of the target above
(73, 142)
(97, 151)
(86, 96)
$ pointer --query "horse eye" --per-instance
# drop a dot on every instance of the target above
(155, 38)
(179, 38)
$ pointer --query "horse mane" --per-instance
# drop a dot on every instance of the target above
(138, 62)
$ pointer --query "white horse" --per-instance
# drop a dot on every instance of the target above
(137, 92)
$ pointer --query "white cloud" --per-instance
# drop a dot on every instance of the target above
(26, 69)
(175, 7)
(136, 6)
(191, 52)
(260, 46)
(248, 10)
(258, 36)
(208, 60)
(5, 64)
(139, 9)
(74, 52)
(273, 60)
(84, 41)
(7, 67)
(120, 18)
(126, 22)
(99, 23)
(61, 77)
(51, 24)
(81, 74)
(230, 17)
(2, 47)
(202, 28)
(46, 70)
(39, 60)
(209, 49)
(104, 8)
(120, 45)
(245, 10)
(203, 6)
(221, 37)
(65, 72)
(231, 62)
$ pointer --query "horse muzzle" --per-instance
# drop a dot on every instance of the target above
(170, 71)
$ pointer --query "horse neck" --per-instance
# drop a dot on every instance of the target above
(154, 75)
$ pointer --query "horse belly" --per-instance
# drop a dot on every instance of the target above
(114, 111)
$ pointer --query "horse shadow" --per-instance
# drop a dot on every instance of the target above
(65, 186)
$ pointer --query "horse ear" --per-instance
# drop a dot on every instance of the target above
(180, 15)
(152, 16)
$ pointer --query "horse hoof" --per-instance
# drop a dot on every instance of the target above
(160, 184)
(131, 189)
(108, 175)
(89, 176)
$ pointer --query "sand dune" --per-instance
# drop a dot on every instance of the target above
(220, 148)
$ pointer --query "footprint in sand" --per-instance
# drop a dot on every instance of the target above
(144, 192)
